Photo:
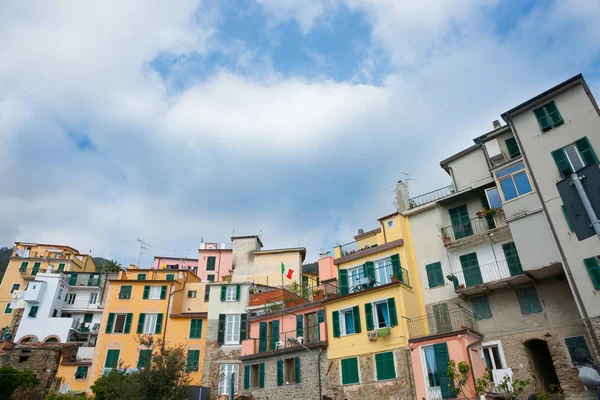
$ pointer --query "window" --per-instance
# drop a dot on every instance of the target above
(81, 373)
(355, 276)
(61, 267)
(193, 360)
(574, 343)
(119, 323)
(513, 181)
(512, 147)
(93, 298)
(15, 287)
(125, 292)
(70, 299)
(384, 363)
(548, 116)
(390, 223)
(36, 268)
(435, 276)
(225, 378)
(170, 277)
(154, 293)
(292, 370)
(493, 197)
(481, 307)
(435, 359)
(348, 319)
(192, 294)
(23, 267)
(381, 315)
(384, 271)
(206, 294)
(232, 329)
(54, 313)
(195, 328)
(60, 292)
(210, 263)
(210, 278)
(574, 157)
(7, 309)
(255, 375)
(492, 358)
(593, 266)
(150, 323)
(112, 359)
(33, 311)
(350, 371)
(528, 300)
(231, 293)
(141, 277)
(144, 358)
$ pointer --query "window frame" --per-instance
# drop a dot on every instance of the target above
(12, 288)
(552, 124)
(230, 289)
(289, 375)
(351, 277)
(233, 324)
(343, 331)
(376, 317)
(224, 381)
(150, 321)
(70, 298)
(255, 376)
(156, 290)
(510, 175)
(114, 326)
(93, 299)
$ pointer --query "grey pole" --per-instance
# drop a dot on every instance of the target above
(231, 385)
(576, 181)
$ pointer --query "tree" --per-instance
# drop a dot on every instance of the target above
(110, 266)
(12, 379)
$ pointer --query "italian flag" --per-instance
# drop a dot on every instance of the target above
(286, 271)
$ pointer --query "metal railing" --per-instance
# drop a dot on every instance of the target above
(430, 196)
(442, 322)
(485, 273)
(475, 226)
(310, 334)
(81, 305)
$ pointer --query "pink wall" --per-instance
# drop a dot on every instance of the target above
(326, 269)
(184, 263)
(222, 263)
(457, 350)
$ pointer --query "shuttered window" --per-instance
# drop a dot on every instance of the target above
(112, 359)
(574, 343)
(548, 116)
(435, 276)
(593, 266)
(125, 292)
(512, 147)
(81, 372)
(144, 358)
(350, 371)
(195, 328)
(384, 363)
(573, 157)
(528, 300)
(193, 360)
(210, 263)
(481, 307)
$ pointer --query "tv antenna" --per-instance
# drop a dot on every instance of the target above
(143, 246)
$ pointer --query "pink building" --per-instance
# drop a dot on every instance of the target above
(214, 261)
(190, 264)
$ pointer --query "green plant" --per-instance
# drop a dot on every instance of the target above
(443, 233)
(58, 396)
(12, 379)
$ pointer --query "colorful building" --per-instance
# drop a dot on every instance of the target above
(175, 263)
(214, 261)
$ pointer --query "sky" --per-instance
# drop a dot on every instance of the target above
(188, 120)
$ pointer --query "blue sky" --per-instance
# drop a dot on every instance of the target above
(176, 121)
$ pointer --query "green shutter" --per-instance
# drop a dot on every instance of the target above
(125, 292)
(23, 267)
(593, 268)
(221, 329)
(542, 119)
(552, 112)
(441, 360)
(279, 372)
(369, 270)
(72, 278)
(343, 281)
(61, 267)
(392, 310)
(586, 151)
(396, 267)
(141, 277)
(261, 372)
(246, 377)
(471, 270)
(274, 334)
(461, 223)
(335, 318)
(33, 311)
(548, 116)
(321, 316)
(512, 147)
(350, 371)
(299, 325)
(262, 337)
(297, 369)
(528, 300)
(562, 163)
(146, 292)
(112, 359)
(435, 276)
(163, 292)
(384, 363)
(237, 293)
(110, 322)
(144, 358)
(195, 328)
(81, 372)
(223, 292)
(481, 307)
(170, 277)
(369, 316)
(36, 268)
(159, 322)
(512, 259)
(128, 319)
(356, 315)
(567, 218)
(193, 360)
(243, 326)
(210, 263)
(141, 319)
(574, 343)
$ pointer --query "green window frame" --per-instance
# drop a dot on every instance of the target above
(435, 275)
(61, 267)
(193, 360)
(210, 263)
(81, 372)
(210, 278)
(170, 277)
(15, 287)
(481, 307)
(563, 161)
(567, 218)
(350, 374)
(112, 359)
(573, 343)
(144, 358)
(548, 116)
(528, 300)
(512, 147)
(461, 222)
(8, 309)
(36, 268)
(125, 292)
(195, 328)
(23, 267)
(384, 363)
(33, 311)
(141, 277)
(592, 265)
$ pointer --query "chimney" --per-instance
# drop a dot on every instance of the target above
(496, 124)
(402, 203)
(361, 231)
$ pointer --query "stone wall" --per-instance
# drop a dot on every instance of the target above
(214, 356)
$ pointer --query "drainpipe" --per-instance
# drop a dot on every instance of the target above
(471, 362)
(410, 375)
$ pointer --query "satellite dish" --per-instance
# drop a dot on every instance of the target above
(64, 388)
(180, 276)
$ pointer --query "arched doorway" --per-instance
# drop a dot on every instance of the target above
(542, 364)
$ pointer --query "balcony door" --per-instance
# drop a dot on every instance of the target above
(461, 223)
(312, 328)
(471, 271)
(512, 259)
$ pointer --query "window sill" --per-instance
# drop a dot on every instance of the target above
(436, 287)
(231, 345)
(386, 380)
(350, 384)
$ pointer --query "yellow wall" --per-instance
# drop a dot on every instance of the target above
(367, 241)
(67, 373)
(267, 268)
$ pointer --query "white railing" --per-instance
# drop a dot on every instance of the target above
(81, 305)
(17, 294)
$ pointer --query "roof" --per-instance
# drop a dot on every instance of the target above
(248, 237)
(387, 216)
(367, 252)
(175, 258)
(458, 155)
(494, 132)
(50, 245)
(285, 250)
(368, 233)
(542, 95)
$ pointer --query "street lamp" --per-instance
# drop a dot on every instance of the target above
(296, 342)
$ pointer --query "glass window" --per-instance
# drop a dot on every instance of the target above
(574, 158)
(225, 378)
(382, 314)
(355, 275)
(431, 367)
(384, 271)
(514, 181)
(231, 294)
(347, 322)
(492, 359)
(93, 298)
(154, 293)
(493, 197)
(119, 326)
(191, 294)
(232, 329)
(150, 323)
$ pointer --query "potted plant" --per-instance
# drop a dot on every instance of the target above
(318, 294)
(444, 234)
(479, 214)
(394, 278)
(461, 286)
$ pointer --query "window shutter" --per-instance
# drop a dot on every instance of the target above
(146, 292)
(593, 268)
(144, 358)
(356, 315)
(210, 263)
(343, 281)
(163, 292)
(350, 371)
(110, 322)
(574, 343)
(435, 276)
(262, 337)
(562, 163)
(170, 277)
(512, 147)
(369, 316)
(553, 113)
(61, 267)
(335, 318)
(159, 321)
(586, 151)
(392, 309)
(430, 277)
(441, 360)
(274, 334)
(237, 293)
(243, 326)
(369, 270)
(193, 360)
(396, 267)
(112, 359)
(297, 369)
(128, 320)
(542, 119)
(321, 316)
(246, 377)
(221, 329)
(196, 329)
(279, 372)
(223, 292)
(384, 363)
(567, 218)
(261, 372)
(72, 277)
(299, 325)
(440, 274)
(141, 319)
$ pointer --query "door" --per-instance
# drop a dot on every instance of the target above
(461, 223)
(442, 318)
(471, 271)
(312, 328)
(542, 363)
(512, 259)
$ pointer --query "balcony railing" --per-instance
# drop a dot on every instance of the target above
(430, 196)
(485, 273)
(441, 322)
(83, 304)
(474, 227)
(291, 339)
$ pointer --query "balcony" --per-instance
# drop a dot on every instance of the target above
(85, 353)
(430, 196)
(313, 336)
(17, 299)
(476, 231)
(78, 280)
(441, 323)
(83, 304)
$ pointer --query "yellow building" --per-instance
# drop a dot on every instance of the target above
(378, 289)
(27, 260)
(169, 305)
